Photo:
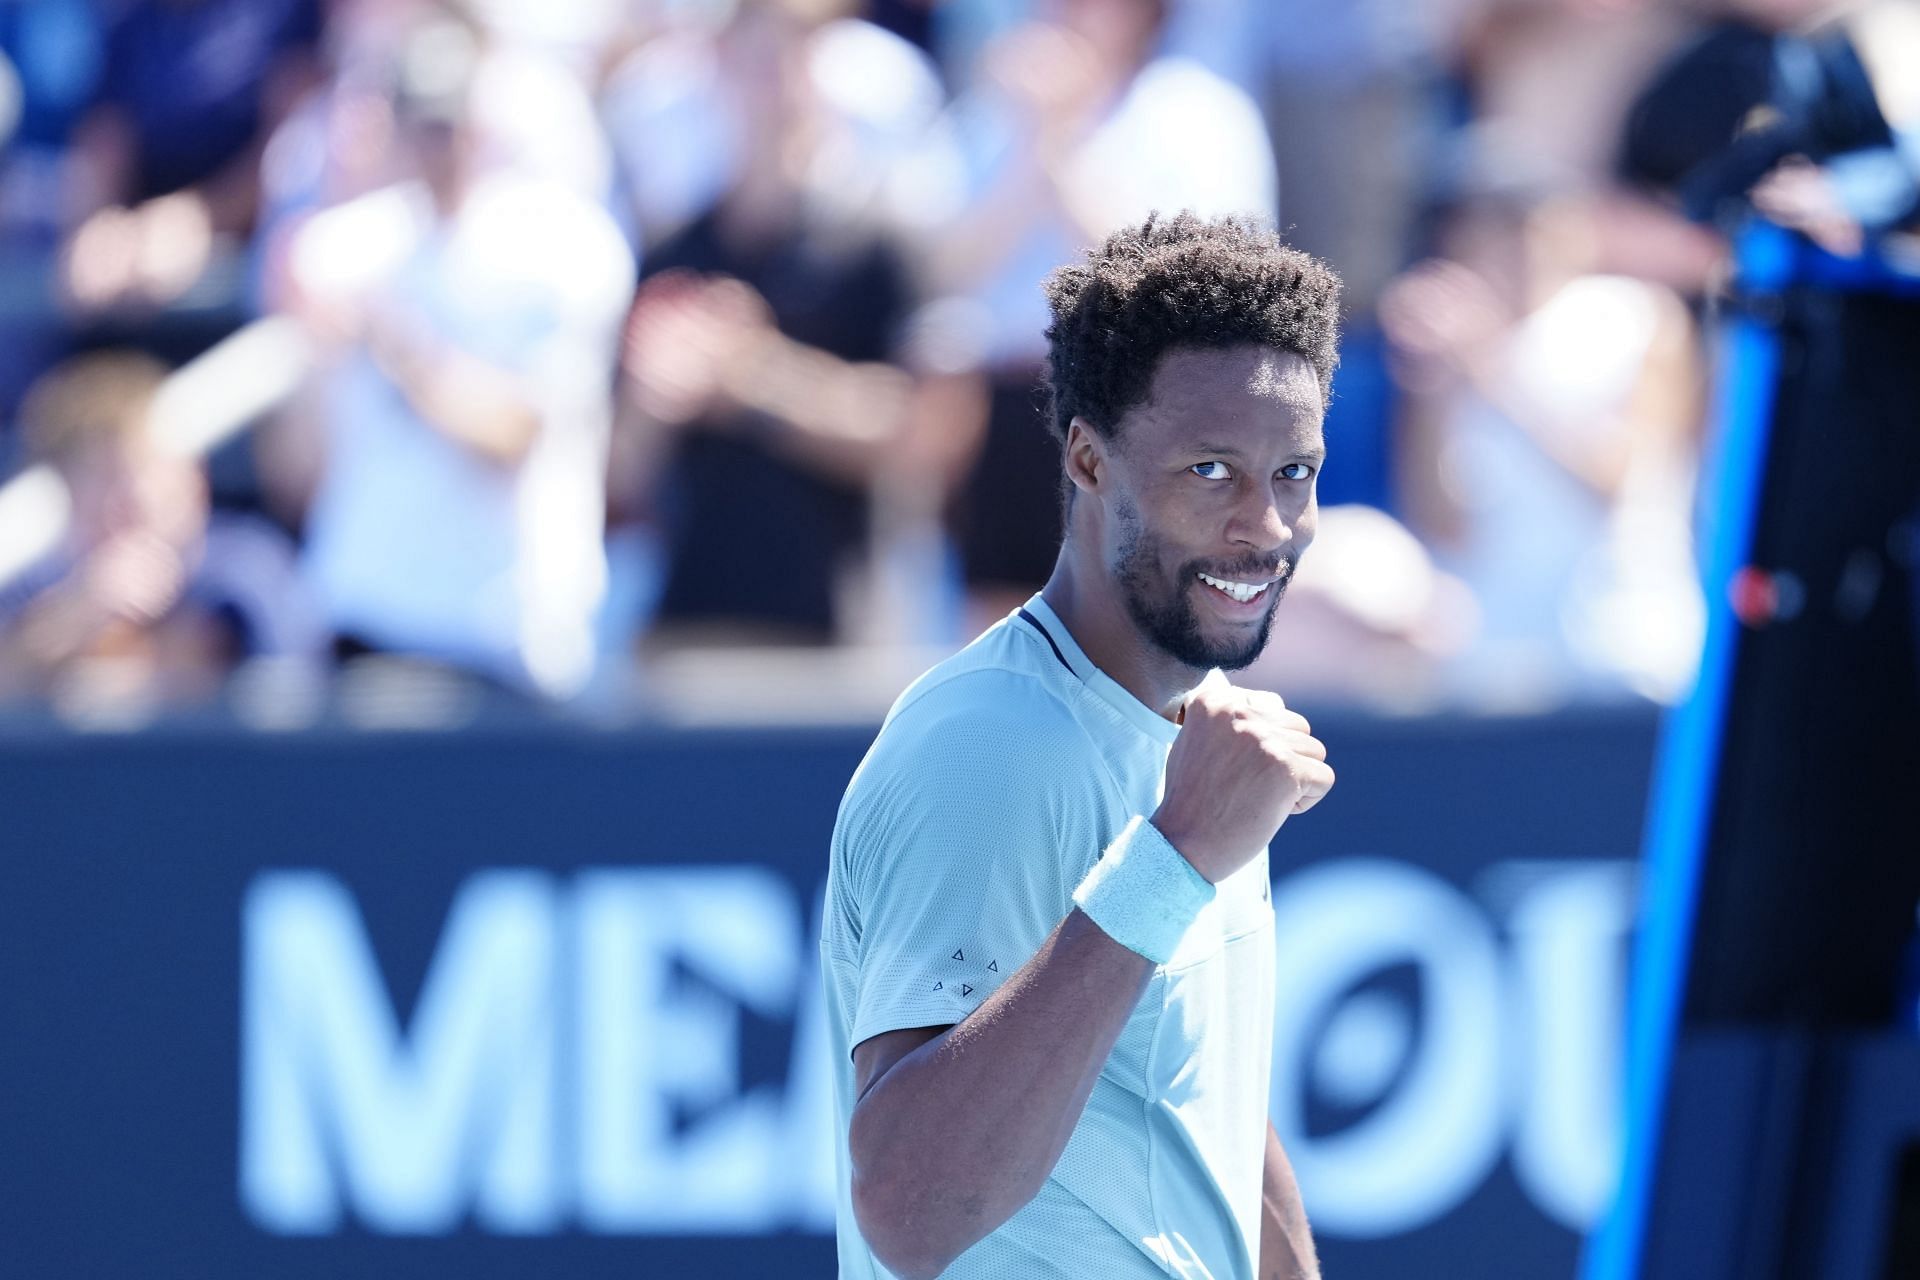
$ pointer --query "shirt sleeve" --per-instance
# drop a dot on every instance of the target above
(961, 841)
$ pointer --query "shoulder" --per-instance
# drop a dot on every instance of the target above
(991, 724)
(982, 773)
(1007, 676)
(996, 718)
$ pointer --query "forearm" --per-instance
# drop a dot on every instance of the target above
(838, 416)
(463, 398)
(1286, 1245)
(962, 1132)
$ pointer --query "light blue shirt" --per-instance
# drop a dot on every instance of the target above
(995, 783)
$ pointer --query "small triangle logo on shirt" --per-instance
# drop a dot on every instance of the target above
(993, 966)
(938, 985)
(960, 955)
(965, 990)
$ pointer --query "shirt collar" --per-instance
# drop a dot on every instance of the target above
(1135, 712)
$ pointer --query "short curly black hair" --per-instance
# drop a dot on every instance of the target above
(1183, 281)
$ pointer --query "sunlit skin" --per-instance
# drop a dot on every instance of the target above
(1214, 472)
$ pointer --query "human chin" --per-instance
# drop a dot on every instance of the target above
(1170, 616)
(1233, 645)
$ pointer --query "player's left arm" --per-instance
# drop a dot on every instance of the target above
(1286, 1246)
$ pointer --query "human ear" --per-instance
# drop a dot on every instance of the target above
(1086, 456)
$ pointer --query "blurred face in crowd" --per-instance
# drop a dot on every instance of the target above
(1205, 498)
(123, 484)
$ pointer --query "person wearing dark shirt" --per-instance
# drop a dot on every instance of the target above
(190, 91)
(760, 409)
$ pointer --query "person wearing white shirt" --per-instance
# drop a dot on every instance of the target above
(471, 321)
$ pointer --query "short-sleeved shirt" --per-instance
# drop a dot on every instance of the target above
(995, 784)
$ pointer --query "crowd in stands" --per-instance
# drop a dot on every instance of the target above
(629, 328)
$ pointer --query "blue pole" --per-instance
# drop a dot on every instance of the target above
(1686, 763)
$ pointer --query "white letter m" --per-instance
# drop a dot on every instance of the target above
(413, 1131)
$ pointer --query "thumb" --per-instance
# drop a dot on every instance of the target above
(1214, 681)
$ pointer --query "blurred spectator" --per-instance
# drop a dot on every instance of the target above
(1074, 127)
(531, 114)
(1861, 186)
(469, 321)
(1355, 96)
(1355, 108)
(1696, 103)
(53, 51)
(763, 410)
(1554, 77)
(679, 114)
(149, 599)
(169, 156)
(1813, 119)
(834, 356)
(1550, 446)
(336, 142)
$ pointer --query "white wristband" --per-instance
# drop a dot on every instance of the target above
(1143, 893)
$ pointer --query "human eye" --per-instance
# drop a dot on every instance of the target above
(1298, 471)
(1220, 470)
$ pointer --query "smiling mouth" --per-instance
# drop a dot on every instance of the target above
(1239, 592)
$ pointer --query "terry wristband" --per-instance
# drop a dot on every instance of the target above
(1143, 893)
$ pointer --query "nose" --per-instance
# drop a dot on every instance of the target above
(1263, 522)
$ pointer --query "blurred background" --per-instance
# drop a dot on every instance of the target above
(476, 472)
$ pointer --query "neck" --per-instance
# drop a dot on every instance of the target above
(1088, 601)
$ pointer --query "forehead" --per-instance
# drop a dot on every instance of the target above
(1253, 397)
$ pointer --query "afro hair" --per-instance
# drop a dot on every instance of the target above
(1183, 281)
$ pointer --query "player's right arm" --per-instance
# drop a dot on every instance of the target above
(956, 1128)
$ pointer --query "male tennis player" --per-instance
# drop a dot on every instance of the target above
(1049, 943)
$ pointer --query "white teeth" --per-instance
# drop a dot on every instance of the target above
(1241, 591)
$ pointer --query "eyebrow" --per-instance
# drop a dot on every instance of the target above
(1228, 451)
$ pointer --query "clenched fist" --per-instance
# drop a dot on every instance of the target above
(1242, 765)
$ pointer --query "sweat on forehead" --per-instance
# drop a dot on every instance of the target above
(1181, 283)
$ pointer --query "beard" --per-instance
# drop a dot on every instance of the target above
(1164, 612)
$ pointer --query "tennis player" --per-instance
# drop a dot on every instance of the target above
(1048, 943)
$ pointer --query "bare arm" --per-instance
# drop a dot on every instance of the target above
(996, 1097)
(1286, 1245)
(465, 399)
(841, 416)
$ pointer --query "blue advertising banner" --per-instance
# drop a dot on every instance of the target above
(543, 1001)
